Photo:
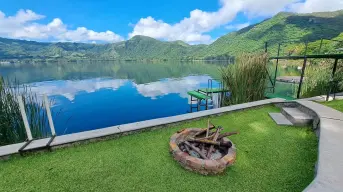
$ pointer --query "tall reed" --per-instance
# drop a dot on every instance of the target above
(246, 79)
(12, 128)
(318, 77)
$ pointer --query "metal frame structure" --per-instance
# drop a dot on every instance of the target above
(198, 104)
(305, 57)
(27, 127)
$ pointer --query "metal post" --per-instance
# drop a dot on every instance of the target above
(332, 83)
(191, 103)
(302, 77)
(276, 67)
(23, 115)
(334, 68)
(320, 47)
(48, 112)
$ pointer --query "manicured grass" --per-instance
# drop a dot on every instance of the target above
(336, 104)
(269, 158)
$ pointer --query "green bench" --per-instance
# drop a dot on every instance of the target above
(213, 90)
(198, 95)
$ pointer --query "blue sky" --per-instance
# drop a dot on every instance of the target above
(193, 21)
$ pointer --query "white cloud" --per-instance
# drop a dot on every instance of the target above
(189, 29)
(317, 6)
(265, 7)
(168, 86)
(237, 26)
(24, 25)
(193, 29)
(69, 89)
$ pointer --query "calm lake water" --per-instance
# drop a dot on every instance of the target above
(91, 95)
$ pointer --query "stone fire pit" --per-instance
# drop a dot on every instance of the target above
(188, 148)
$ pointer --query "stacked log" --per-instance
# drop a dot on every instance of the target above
(206, 142)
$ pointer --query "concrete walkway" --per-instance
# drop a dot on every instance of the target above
(330, 153)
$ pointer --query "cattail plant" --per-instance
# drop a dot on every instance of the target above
(246, 79)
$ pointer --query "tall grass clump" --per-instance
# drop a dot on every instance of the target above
(246, 79)
(318, 78)
(12, 128)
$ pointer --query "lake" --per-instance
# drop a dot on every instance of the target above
(90, 95)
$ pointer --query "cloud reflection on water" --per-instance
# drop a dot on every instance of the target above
(69, 88)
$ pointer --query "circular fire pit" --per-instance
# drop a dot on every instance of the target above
(215, 163)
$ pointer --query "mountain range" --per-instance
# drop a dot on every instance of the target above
(290, 28)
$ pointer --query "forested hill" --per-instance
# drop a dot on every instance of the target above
(282, 27)
(138, 47)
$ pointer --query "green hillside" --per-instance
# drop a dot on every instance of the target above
(282, 27)
(138, 47)
(147, 47)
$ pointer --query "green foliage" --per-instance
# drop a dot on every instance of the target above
(318, 79)
(282, 27)
(137, 48)
(269, 158)
(246, 79)
(12, 128)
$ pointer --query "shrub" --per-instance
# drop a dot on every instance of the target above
(246, 79)
(318, 77)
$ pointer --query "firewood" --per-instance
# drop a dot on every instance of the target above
(196, 150)
(204, 141)
(202, 148)
(209, 137)
(210, 142)
(214, 139)
(204, 130)
(187, 148)
(227, 134)
(208, 127)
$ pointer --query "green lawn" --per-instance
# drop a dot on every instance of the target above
(336, 104)
(269, 158)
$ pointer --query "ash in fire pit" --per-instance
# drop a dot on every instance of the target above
(206, 151)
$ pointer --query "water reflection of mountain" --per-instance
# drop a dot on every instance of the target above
(140, 72)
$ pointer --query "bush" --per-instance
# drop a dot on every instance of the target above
(246, 79)
(318, 78)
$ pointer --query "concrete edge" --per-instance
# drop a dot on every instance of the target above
(329, 169)
(109, 132)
